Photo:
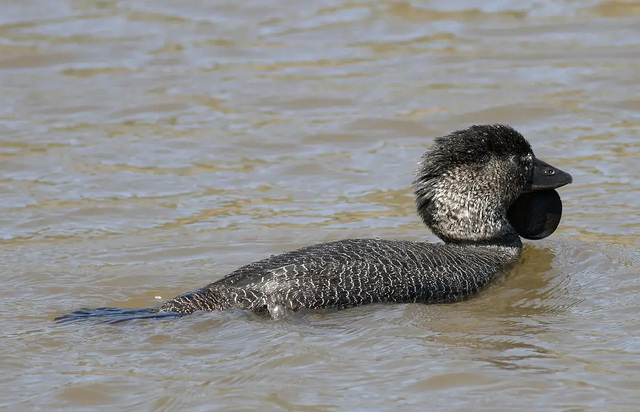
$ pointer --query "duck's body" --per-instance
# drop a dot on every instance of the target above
(353, 272)
(466, 186)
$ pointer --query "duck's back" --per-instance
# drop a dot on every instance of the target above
(353, 272)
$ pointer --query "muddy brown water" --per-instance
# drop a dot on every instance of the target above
(149, 147)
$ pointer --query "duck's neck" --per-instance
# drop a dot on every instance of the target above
(466, 208)
(473, 225)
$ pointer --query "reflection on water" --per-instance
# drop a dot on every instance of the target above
(148, 148)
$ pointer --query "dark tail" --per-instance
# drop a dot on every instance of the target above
(114, 315)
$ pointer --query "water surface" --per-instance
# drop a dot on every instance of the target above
(149, 147)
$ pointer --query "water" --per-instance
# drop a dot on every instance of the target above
(149, 147)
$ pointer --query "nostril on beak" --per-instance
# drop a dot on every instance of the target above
(549, 172)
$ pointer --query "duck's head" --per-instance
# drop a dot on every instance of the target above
(484, 185)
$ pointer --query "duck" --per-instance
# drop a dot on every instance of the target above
(480, 190)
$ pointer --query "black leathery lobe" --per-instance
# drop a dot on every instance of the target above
(536, 215)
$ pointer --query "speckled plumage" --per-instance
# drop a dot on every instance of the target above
(352, 272)
(464, 186)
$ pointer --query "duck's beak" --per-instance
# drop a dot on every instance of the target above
(536, 213)
(544, 177)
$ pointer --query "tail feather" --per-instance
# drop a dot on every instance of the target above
(114, 315)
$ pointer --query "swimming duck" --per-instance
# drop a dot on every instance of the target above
(479, 190)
